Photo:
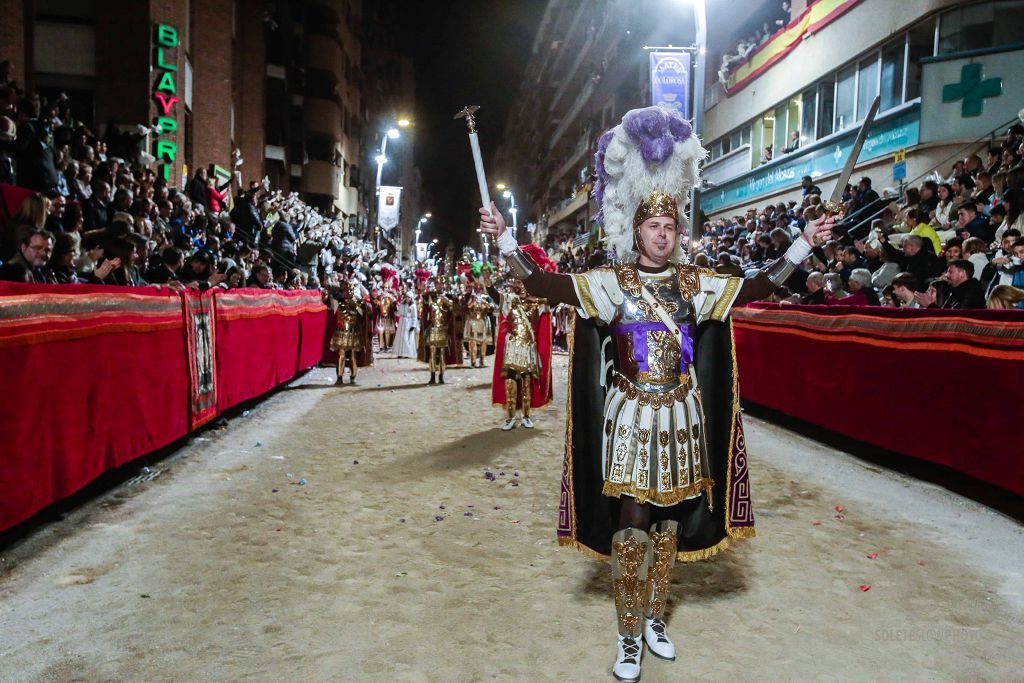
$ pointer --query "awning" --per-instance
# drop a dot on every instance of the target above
(577, 203)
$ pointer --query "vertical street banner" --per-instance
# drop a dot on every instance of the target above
(387, 206)
(670, 81)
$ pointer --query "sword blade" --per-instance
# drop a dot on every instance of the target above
(851, 161)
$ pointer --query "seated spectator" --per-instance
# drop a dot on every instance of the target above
(920, 262)
(808, 187)
(965, 291)
(972, 224)
(834, 288)
(905, 288)
(32, 262)
(30, 217)
(850, 260)
(261, 277)
(62, 262)
(922, 229)
(1005, 296)
(171, 263)
(974, 251)
(815, 289)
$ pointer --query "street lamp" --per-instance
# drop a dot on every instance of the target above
(507, 194)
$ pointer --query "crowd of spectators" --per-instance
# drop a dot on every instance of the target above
(778, 19)
(951, 242)
(100, 214)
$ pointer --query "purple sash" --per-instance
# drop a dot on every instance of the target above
(639, 331)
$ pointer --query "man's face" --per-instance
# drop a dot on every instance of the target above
(953, 253)
(1018, 251)
(57, 206)
(849, 258)
(813, 284)
(910, 247)
(658, 238)
(963, 217)
(955, 276)
(903, 293)
(38, 250)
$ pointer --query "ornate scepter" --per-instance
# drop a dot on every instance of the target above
(478, 161)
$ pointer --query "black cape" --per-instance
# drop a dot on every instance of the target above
(587, 518)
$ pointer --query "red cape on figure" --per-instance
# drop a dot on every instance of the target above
(542, 393)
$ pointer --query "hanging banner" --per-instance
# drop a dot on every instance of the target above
(670, 81)
(387, 206)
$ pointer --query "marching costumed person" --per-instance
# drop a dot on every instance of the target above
(351, 333)
(655, 464)
(478, 332)
(522, 360)
(437, 333)
(387, 323)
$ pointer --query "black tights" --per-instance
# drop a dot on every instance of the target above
(634, 515)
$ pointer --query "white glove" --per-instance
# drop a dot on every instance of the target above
(507, 243)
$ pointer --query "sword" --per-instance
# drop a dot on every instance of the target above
(468, 113)
(833, 206)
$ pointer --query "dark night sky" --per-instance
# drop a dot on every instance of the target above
(465, 52)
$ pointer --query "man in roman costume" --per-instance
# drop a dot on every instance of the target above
(478, 331)
(437, 332)
(387, 323)
(655, 465)
(352, 338)
(522, 357)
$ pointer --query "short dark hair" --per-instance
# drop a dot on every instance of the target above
(963, 264)
(970, 206)
(171, 256)
(36, 232)
(907, 280)
(866, 181)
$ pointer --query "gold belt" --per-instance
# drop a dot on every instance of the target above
(655, 399)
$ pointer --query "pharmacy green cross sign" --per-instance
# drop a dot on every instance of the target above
(972, 90)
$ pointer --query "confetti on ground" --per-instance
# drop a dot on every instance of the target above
(864, 588)
(873, 556)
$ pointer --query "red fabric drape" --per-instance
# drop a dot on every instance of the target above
(91, 381)
(259, 340)
(941, 386)
(94, 377)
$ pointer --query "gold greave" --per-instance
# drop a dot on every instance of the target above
(629, 579)
(661, 558)
(472, 353)
(341, 362)
(353, 367)
(511, 387)
(526, 391)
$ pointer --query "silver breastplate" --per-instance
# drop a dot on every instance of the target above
(648, 354)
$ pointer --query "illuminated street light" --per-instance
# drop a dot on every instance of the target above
(501, 186)
(393, 133)
(427, 214)
(381, 159)
(404, 123)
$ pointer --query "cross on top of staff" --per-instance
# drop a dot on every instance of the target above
(467, 113)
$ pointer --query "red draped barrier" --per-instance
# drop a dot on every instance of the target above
(94, 377)
(938, 385)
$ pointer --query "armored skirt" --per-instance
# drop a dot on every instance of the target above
(478, 330)
(437, 337)
(653, 446)
(348, 332)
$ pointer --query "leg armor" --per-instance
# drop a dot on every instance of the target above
(629, 579)
(511, 389)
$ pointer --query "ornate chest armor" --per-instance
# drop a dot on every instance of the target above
(649, 355)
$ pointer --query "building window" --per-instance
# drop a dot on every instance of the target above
(981, 25)
(846, 91)
(826, 108)
(920, 44)
(867, 85)
(808, 115)
(892, 75)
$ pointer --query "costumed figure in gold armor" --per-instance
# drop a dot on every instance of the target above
(349, 337)
(478, 331)
(655, 467)
(437, 331)
(387, 319)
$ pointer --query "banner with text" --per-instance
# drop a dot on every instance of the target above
(670, 81)
(387, 206)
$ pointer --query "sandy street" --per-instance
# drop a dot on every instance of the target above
(350, 534)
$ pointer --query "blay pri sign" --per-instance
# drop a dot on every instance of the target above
(165, 41)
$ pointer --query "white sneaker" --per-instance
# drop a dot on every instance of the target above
(528, 423)
(657, 641)
(627, 664)
(509, 424)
